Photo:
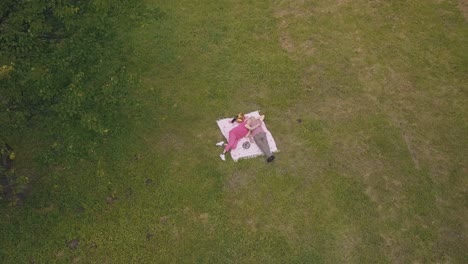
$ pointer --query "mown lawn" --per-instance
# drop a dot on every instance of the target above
(367, 101)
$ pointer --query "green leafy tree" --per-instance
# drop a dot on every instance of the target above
(61, 63)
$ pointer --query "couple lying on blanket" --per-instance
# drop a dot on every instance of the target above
(250, 127)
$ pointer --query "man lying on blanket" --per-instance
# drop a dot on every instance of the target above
(260, 137)
(242, 127)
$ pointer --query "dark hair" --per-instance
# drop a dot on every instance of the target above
(234, 119)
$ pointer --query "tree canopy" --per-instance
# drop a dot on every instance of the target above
(61, 62)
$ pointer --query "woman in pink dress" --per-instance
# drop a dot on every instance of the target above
(236, 134)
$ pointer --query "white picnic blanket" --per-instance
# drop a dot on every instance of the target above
(244, 148)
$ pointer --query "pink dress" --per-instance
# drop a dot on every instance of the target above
(235, 135)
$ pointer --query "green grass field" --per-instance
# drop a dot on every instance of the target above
(367, 101)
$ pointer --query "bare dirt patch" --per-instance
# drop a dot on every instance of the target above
(285, 40)
(305, 9)
(296, 48)
(409, 145)
(463, 6)
(237, 181)
(348, 244)
(295, 12)
(393, 247)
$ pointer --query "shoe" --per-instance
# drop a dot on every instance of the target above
(270, 159)
(222, 157)
(220, 144)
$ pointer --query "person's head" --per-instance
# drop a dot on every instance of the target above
(248, 120)
(239, 118)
